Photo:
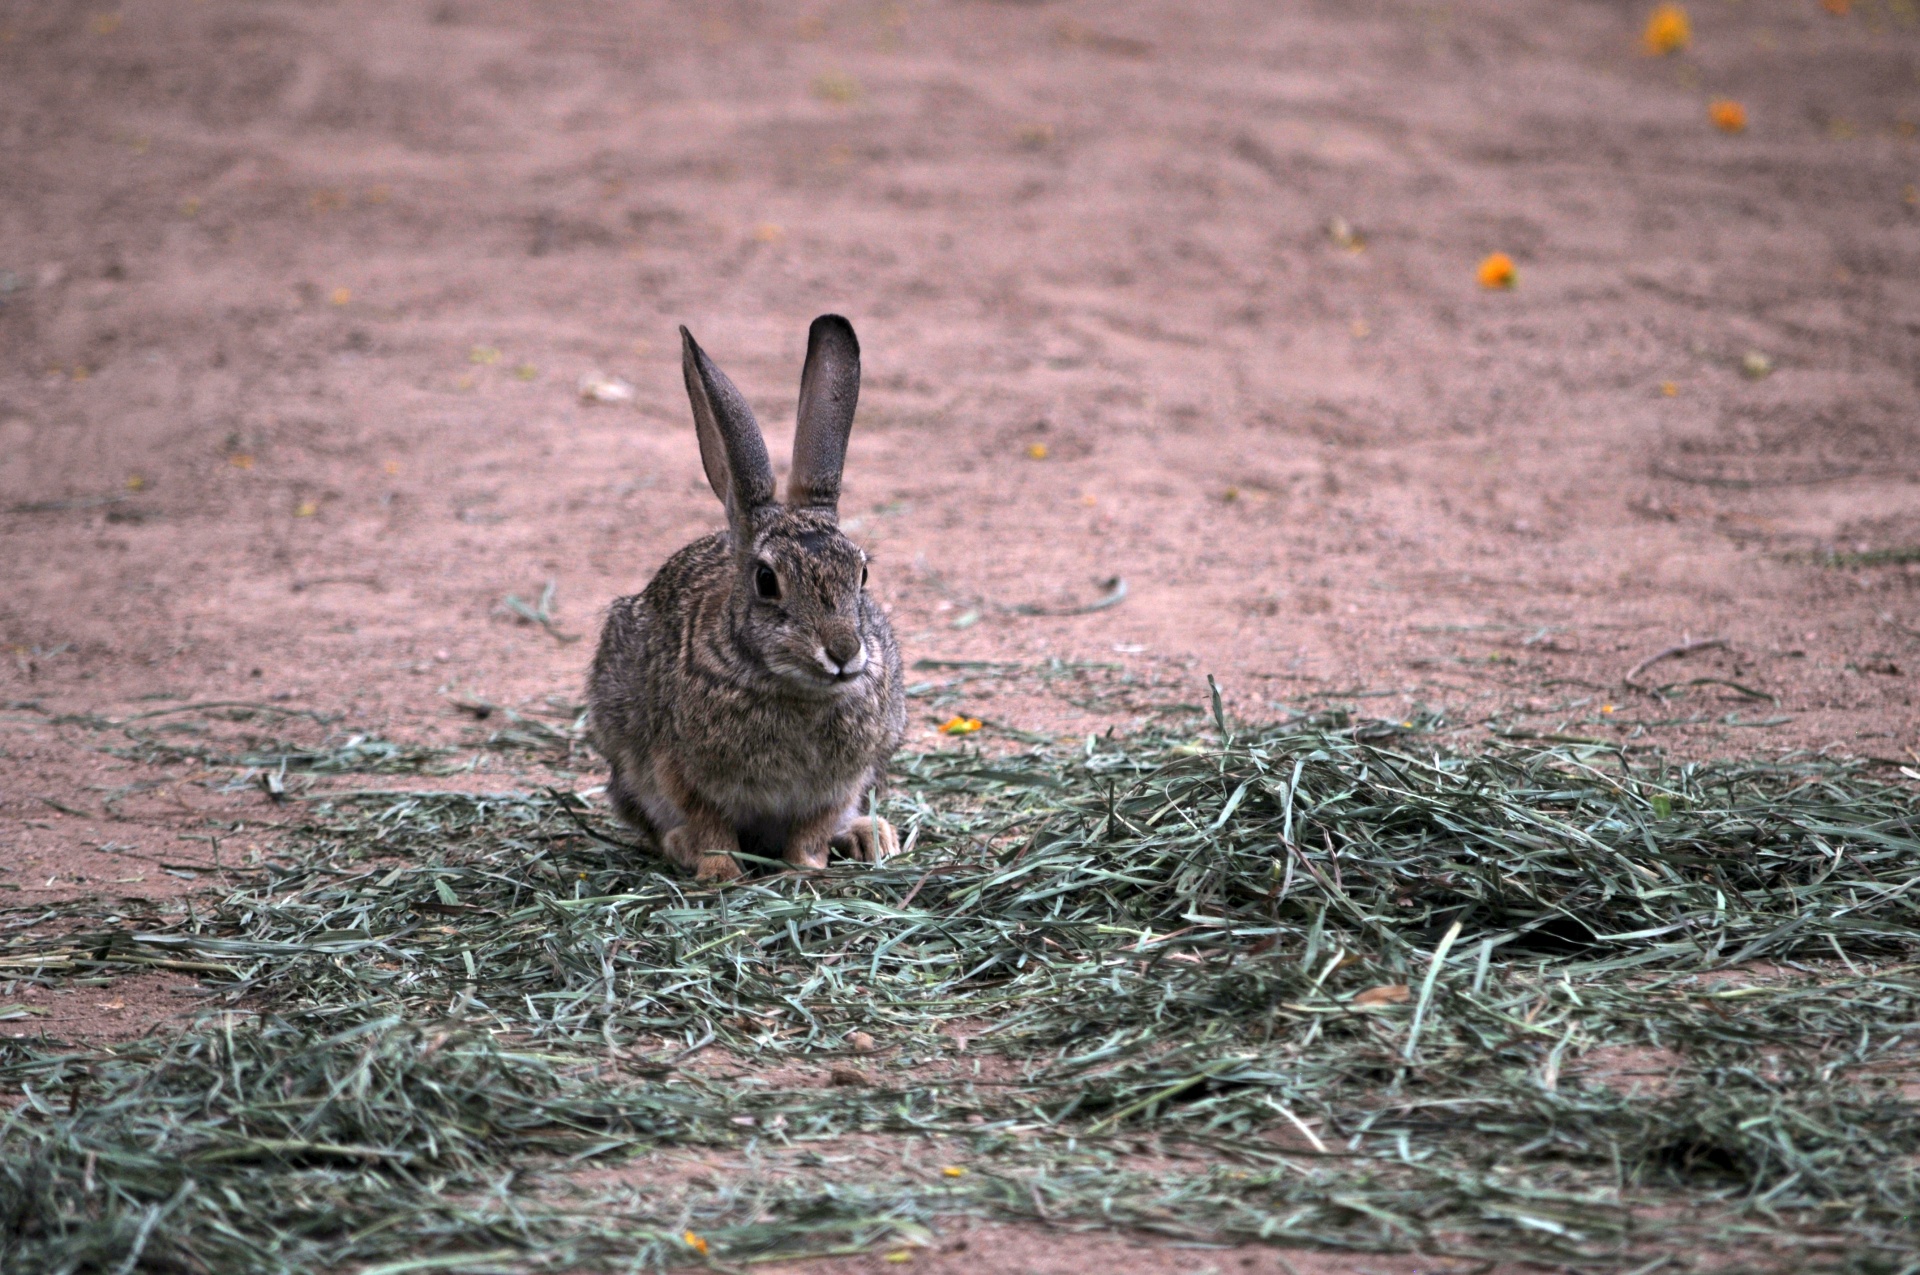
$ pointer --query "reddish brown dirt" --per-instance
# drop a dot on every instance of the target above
(125, 1008)
(961, 1244)
(298, 295)
(294, 298)
(967, 1247)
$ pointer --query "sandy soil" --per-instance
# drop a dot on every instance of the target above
(295, 299)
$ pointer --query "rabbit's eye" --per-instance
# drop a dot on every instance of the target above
(765, 583)
(863, 575)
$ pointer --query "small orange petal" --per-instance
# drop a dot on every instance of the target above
(1036, 451)
(960, 725)
(1728, 115)
(1498, 271)
(1668, 30)
(696, 1243)
(1387, 994)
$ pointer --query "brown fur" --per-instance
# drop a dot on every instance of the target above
(732, 721)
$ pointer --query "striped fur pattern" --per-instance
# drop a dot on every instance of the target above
(750, 697)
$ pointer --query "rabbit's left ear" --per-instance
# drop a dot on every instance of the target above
(829, 389)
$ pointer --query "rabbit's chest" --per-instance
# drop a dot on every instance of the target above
(772, 765)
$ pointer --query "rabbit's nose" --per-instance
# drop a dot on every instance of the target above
(844, 654)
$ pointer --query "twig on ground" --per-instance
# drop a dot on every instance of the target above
(1115, 593)
(60, 506)
(1671, 653)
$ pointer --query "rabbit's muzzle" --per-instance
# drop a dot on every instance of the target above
(842, 654)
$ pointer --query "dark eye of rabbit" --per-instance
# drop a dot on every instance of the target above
(765, 583)
(863, 576)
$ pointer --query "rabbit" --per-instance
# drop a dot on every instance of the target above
(750, 697)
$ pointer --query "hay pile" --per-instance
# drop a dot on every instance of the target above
(1515, 1003)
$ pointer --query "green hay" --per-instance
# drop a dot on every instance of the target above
(1368, 984)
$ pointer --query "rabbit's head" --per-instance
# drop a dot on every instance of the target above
(797, 598)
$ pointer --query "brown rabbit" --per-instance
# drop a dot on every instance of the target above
(750, 697)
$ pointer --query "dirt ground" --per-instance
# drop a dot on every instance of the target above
(296, 300)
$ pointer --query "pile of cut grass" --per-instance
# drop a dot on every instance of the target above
(1393, 998)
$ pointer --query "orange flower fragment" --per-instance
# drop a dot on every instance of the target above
(1668, 30)
(1838, 8)
(1728, 115)
(1497, 271)
(960, 725)
(1036, 451)
(1389, 994)
(696, 1243)
(954, 1171)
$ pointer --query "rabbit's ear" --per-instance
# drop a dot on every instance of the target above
(731, 449)
(829, 389)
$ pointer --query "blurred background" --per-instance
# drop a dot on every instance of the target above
(1446, 359)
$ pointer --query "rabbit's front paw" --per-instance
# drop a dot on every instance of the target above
(708, 861)
(806, 852)
(716, 867)
(868, 839)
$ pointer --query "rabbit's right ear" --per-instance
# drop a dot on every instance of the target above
(731, 448)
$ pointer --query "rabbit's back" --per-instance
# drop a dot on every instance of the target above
(630, 687)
